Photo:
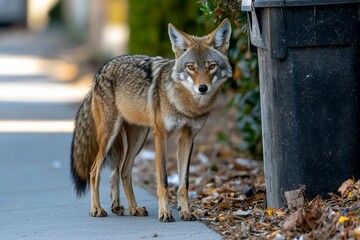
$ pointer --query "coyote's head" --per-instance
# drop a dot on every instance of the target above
(201, 63)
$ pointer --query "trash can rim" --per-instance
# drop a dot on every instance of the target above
(294, 3)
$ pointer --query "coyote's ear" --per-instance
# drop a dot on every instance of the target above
(220, 37)
(179, 40)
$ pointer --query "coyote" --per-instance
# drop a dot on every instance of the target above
(133, 93)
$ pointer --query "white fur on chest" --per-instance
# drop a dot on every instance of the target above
(173, 123)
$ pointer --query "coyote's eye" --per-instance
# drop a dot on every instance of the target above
(190, 67)
(212, 66)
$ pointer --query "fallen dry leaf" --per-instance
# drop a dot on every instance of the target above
(346, 187)
(295, 220)
(270, 211)
(295, 198)
(343, 219)
(357, 232)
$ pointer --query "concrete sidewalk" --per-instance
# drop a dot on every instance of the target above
(37, 200)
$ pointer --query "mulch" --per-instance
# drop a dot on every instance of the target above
(228, 194)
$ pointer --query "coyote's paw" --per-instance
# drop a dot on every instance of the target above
(166, 216)
(118, 210)
(98, 212)
(138, 211)
(187, 216)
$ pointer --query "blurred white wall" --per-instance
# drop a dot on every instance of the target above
(100, 24)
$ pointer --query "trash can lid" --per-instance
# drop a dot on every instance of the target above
(246, 4)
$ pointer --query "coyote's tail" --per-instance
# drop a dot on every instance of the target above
(83, 147)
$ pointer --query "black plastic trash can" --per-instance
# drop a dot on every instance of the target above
(309, 64)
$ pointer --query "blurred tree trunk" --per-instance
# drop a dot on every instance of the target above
(76, 14)
(97, 20)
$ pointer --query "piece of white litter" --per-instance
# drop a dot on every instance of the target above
(300, 238)
(202, 157)
(56, 164)
(193, 169)
(279, 237)
(198, 181)
(331, 214)
(246, 162)
(242, 213)
(192, 194)
(174, 179)
(146, 154)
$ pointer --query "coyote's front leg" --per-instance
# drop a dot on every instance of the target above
(184, 154)
(165, 215)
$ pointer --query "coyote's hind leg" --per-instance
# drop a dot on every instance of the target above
(136, 136)
(117, 153)
(107, 124)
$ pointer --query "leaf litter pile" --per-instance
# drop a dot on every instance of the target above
(228, 194)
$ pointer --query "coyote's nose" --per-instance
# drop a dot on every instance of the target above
(203, 88)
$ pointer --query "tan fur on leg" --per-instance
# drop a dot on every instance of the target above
(135, 137)
(184, 154)
(118, 154)
(165, 215)
(107, 127)
(96, 210)
(116, 207)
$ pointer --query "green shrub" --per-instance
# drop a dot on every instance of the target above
(148, 21)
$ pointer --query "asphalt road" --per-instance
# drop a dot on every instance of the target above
(37, 200)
